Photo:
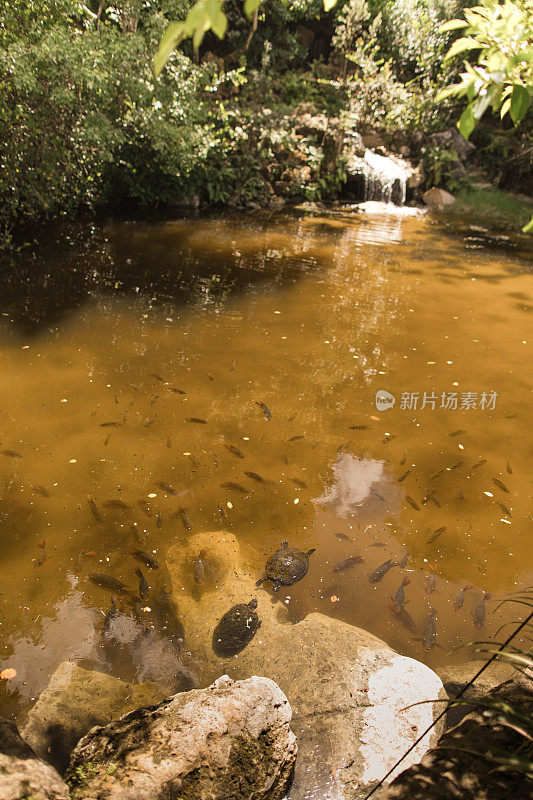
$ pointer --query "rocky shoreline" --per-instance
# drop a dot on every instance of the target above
(332, 712)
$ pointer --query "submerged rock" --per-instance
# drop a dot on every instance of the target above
(231, 740)
(349, 691)
(22, 774)
(74, 701)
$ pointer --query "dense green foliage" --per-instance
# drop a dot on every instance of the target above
(84, 122)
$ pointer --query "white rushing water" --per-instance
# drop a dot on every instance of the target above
(385, 179)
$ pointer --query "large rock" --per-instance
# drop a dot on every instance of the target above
(75, 701)
(454, 772)
(349, 691)
(23, 776)
(231, 740)
(438, 198)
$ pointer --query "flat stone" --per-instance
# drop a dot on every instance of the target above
(456, 676)
(231, 740)
(74, 701)
(349, 691)
(23, 776)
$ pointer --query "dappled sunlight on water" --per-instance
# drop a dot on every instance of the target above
(134, 354)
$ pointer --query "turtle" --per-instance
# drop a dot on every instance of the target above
(288, 565)
(236, 629)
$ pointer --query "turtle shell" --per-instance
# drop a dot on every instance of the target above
(287, 565)
(236, 629)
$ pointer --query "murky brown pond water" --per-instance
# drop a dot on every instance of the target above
(113, 337)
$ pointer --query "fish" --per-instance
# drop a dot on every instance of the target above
(382, 570)
(166, 487)
(403, 459)
(176, 391)
(412, 502)
(343, 536)
(389, 438)
(110, 583)
(436, 474)
(479, 613)
(146, 558)
(157, 377)
(266, 411)
(232, 367)
(456, 433)
(43, 555)
(435, 499)
(234, 450)
(406, 619)
(460, 493)
(106, 440)
(210, 377)
(500, 485)
(509, 468)
(379, 544)
(399, 597)
(110, 424)
(505, 509)
(479, 463)
(254, 476)
(169, 442)
(297, 437)
(118, 504)
(108, 619)
(150, 422)
(94, 509)
(459, 600)
(144, 589)
(199, 569)
(404, 560)
(237, 486)
(358, 427)
(437, 533)
(153, 399)
(159, 520)
(349, 562)
(145, 506)
(137, 533)
(41, 490)
(377, 494)
(430, 583)
(299, 483)
(198, 420)
(185, 518)
(404, 476)
(222, 511)
(457, 465)
(11, 453)
(430, 631)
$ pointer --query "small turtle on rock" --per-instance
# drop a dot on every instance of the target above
(236, 629)
(288, 565)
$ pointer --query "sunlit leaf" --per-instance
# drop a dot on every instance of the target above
(461, 45)
(171, 37)
(467, 122)
(529, 227)
(453, 25)
(328, 4)
(250, 6)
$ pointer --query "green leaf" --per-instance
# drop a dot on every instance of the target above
(459, 46)
(467, 122)
(520, 102)
(328, 4)
(250, 6)
(220, 25)
(171, 37)
(453, 25)
(448, 91)
(529, 227)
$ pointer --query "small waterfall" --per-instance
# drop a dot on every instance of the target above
(385, 179)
